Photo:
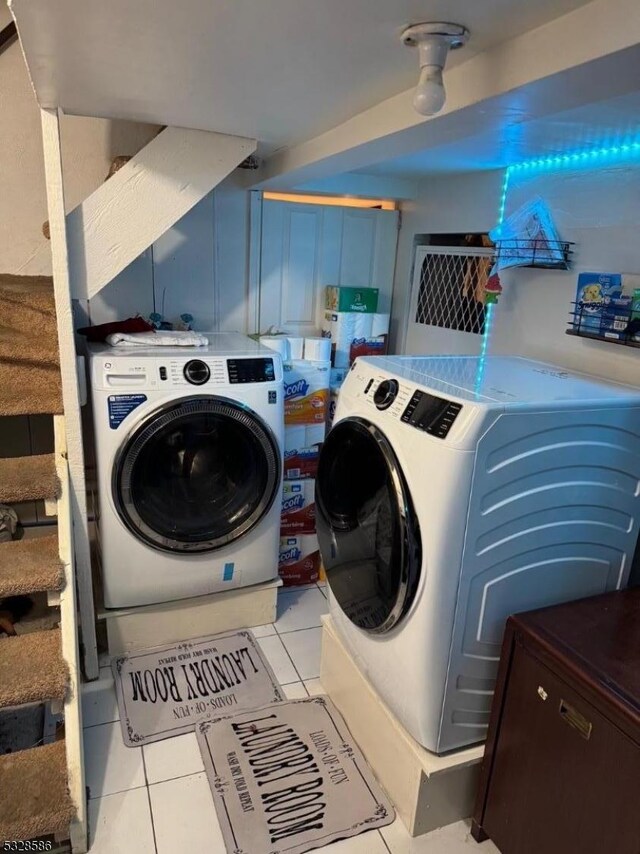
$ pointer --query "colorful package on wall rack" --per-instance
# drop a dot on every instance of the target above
(596, 294)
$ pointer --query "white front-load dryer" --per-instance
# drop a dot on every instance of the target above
(189, 446)
(454, 491)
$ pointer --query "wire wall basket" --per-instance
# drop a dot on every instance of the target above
(534, 252)
(614, 324)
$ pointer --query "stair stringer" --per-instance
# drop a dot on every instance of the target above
(77, 494)
(143, 199)
(78, 830)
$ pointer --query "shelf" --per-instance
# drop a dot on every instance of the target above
(612, 317)
(506, 249)
(624, 342)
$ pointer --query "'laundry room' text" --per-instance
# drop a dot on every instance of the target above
(201, 678)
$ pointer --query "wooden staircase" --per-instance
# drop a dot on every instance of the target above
(42, 791)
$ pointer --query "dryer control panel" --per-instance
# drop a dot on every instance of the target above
(397, 399)
(434, 415)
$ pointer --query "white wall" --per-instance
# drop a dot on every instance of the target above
(447, 203)
(88, 146)
(599, 209)
(199, 266)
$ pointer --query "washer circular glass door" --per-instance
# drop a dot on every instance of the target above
(196, 475)
(368, 532)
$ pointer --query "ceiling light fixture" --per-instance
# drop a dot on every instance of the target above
(434, 41)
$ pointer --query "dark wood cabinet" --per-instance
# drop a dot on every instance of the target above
(561, 772)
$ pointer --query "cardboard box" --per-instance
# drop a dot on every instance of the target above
(368, 347)
(361, 300)
(595, 292)
(616, 316)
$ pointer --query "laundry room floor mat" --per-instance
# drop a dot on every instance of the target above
(288, 778)
(167, 690)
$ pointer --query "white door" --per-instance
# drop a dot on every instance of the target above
(306, 247)
(444, 316)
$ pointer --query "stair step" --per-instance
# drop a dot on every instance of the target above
(29, 358)
(35, 799)
(28, 479)
(29, 566)
(28, 387)
(32, 669)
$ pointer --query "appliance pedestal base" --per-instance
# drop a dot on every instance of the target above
(428, 791)
(155, 625)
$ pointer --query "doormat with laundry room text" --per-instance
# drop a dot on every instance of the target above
(168, 690)
(288, 778)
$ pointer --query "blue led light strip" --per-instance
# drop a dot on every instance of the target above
(578, 158)
(503, 195)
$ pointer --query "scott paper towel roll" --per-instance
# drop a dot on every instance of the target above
(379, 325)
(278, 343)
(317, 349)
(342, 328)
(296, 345)
(362, 326)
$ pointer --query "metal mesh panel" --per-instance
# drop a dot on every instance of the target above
(451, 291)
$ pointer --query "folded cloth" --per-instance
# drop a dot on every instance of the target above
(161, 338)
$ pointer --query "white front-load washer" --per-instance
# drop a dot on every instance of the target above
(454, 491)
(189, 446)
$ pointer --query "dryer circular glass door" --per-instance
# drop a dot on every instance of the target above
(196, 475)
(367, 528)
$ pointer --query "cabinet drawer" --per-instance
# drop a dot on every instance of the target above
(564, 778)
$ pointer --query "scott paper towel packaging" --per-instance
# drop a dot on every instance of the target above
(317, 349)
(306, 392)
(380, 324)
(278, 343)
(338, 376)
(302, 445)
(343, 328)
(368, 347)
(299, 561)
(296, 347)
(298, 514)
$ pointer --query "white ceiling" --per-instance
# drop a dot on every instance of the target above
(279, 71)
(604, 124)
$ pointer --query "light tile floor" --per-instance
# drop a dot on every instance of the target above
(156, 799)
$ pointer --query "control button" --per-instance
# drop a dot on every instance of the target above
(369, 384)
(196, 372)
(163, 373)
(385, 394)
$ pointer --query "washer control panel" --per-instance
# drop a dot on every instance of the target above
(205, 371)
(434, 415)
(251, 370)
(196, 372)
(385, 393)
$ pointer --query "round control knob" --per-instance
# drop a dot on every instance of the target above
(385, 394)
(196, 372)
